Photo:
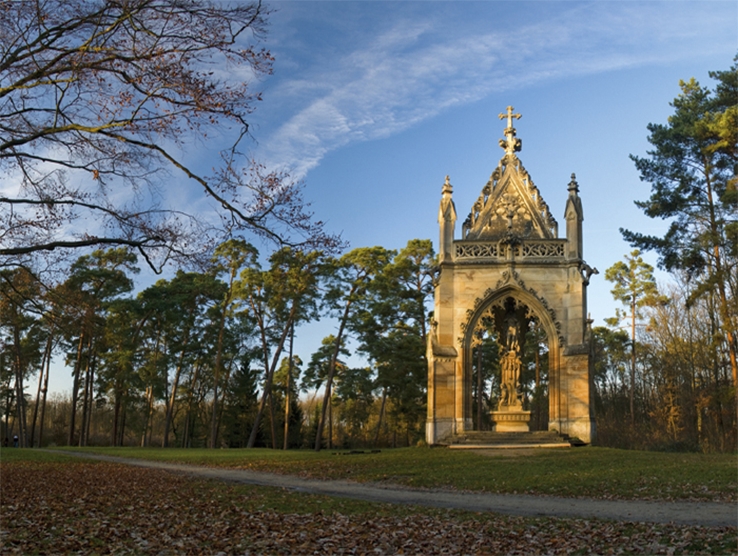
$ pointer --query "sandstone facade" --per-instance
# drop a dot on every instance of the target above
(510, 264)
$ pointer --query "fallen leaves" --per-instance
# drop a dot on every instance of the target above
(97, 508)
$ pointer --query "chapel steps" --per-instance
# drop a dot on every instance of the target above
(501, 440)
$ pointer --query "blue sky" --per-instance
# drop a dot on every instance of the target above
(374, 103)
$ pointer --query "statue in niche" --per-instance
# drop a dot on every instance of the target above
(509, 397)
(512, 343)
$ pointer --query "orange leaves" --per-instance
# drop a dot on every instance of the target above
(96, 508)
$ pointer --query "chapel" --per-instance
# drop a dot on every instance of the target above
(509, 281)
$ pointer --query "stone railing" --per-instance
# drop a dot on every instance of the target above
(497, 250)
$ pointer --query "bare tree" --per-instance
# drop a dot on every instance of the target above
(99, 100)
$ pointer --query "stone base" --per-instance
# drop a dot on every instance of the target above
(510, 421)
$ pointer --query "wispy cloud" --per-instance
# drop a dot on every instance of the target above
(416, 67)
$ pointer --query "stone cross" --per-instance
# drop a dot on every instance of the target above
(510, 117)
(510, 143)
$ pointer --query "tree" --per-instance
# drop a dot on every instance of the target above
(279, 298)
(692, 170)
(98, 100)
(348, 279)
(635, 287)
(19, 290)
(285, 380)
(95, 282)
(182, 303)
(321, 362)
(230, 257)
(390, 323)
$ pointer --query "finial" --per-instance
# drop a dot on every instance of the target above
(573, 185)
(447, 187)
(511, 144)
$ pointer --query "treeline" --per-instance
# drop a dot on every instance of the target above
(205, 358)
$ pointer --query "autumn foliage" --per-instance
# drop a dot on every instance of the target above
(100, 508)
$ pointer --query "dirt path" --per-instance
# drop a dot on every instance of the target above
(716, 514)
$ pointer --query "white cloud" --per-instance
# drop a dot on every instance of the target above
(415, 68)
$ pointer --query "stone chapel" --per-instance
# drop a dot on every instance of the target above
(508, 269)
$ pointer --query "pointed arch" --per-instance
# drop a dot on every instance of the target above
(537, 308)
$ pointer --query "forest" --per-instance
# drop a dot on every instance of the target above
(96, 105)
(205, 358)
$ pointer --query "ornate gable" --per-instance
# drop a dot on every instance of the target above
(510, 203)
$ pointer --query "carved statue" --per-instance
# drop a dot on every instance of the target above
(586, 271)
(512, 343)
(509, 382)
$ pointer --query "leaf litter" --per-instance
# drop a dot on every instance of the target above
(102, 508)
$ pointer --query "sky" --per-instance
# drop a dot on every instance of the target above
(373, 103)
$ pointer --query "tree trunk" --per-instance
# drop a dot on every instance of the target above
(332, 372)
(149, 403)
(633, 362)
(381, 414)
(330, 423)
(87, 396)
(269, 369)
(43, 402)
(47, 353)
(75, 387)
(175, 385)
(223, 398)
(170, 405)
(122, 422)
(189, 424)
(20, 403)
(87, 426)
(116, 417)
(287, 395)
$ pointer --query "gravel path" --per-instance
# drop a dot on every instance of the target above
(715, 514)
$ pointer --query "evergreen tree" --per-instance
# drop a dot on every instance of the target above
(692, 170)
(635, 287)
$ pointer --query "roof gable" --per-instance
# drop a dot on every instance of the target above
(510, 203)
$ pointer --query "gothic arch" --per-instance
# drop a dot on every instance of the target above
(537, 309)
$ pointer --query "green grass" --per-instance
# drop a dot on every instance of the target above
(595, 472)
(12, 455)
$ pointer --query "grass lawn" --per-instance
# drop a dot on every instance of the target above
(576, 472)
(52, 503)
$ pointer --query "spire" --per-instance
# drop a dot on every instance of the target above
(574, 214)
(510, 143)
(447, 221)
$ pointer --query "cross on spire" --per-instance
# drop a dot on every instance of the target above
(510, 117)
(511, 144)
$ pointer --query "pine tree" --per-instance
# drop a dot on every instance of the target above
(692, 170)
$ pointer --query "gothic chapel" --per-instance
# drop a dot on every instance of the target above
(509, 269)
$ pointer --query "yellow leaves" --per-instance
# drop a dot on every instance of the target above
(722, 128)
